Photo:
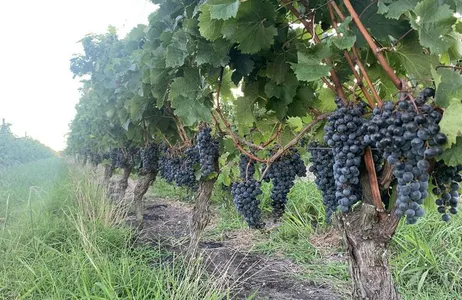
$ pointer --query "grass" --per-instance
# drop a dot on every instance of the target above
(427, 258)
(61, 239)
(64, 240)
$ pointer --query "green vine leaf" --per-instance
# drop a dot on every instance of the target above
(434, 24)
(252, 28)
(396, 8)
(278, 68)
(453, 155)
(347, 38)
(309, 66)
(380, 27)
(451, 123)
(415, 62)
(177, 50)
(301, 103)
(214, 54)
(223, 9)
(186, 96)
(208, 27)
(449, 88)
(244, 106)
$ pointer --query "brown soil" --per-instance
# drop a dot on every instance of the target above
(166, 223)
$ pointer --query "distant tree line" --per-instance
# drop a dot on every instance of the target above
(18, 150)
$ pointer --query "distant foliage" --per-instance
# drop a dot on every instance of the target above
(14, 150)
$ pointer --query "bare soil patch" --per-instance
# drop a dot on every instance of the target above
(166, 223)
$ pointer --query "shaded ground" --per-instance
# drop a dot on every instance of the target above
(166, 224)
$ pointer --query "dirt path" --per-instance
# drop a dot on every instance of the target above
(166, 224)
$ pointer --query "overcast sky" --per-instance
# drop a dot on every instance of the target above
(37, 39)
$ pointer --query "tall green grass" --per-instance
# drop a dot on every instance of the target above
(68, 242)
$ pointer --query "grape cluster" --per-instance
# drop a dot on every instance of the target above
(446, 180)
(180, 167)
(408, 134)
(344, 133)
(282, 173)
(322, 163)
(133, 156)
(246, 167)
(186, 176)
(114, 156)
(95, 158)
(208, 151)
(149, 158)
(122, 160)
(245, 200)
(169, 167)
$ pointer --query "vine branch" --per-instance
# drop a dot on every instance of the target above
(449, 67)
(370, 41)
(350, 62)
(274, 136)
(357, 59)
(295, 140)
(310, 28)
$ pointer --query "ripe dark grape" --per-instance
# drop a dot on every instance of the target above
(446, 179)
(347, 149)
(245, 200)
(246, 167)
(322, 161)
(282, 173)
(149, 158)
(407, 146)
(208, 151)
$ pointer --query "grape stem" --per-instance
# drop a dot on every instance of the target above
(247, 170)
(449, 67)
(274, 136)
(370, 41)
(333, 5)
(166, 140)
(237, 141)
(294, 141)
(310, 28)
(179, 126)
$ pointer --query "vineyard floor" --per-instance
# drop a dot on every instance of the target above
(299, 258)
(250, 273)
(230, 253)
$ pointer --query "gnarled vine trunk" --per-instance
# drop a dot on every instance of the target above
(123, 182)
(367, 240)
(201, 212)
(367, 235)
(140, 190)
(108, 171)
